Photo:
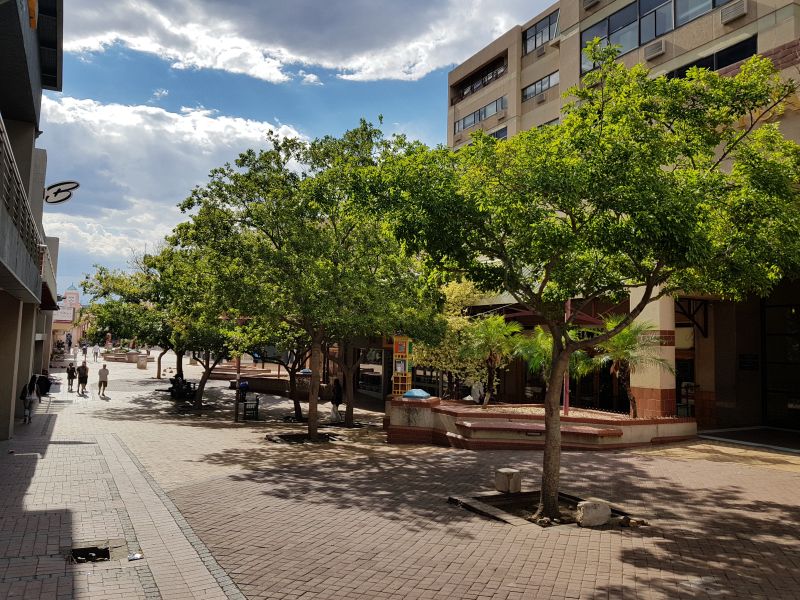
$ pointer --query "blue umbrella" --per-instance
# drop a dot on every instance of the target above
(416, 393)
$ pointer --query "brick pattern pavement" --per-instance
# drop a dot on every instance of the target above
(218, 511)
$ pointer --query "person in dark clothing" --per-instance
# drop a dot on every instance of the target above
(71, 375)
(29, 396)
(44, 384)
(336, 401)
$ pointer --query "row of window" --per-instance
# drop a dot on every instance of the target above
(724, 58)
(481, 79)
(540, 33)
(481, 114)
(642, 21)
(536, 88)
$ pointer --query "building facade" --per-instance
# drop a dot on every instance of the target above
(735, 364)
(30, 47)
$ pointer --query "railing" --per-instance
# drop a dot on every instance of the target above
(479, 83)
(12, 195)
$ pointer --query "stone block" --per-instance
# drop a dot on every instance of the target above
(507, 480)
(593, 513)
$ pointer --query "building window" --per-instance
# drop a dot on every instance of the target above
(481, 114)
(724, 58)
(643, 21)
(549, 123)
(500, 134)
(536, 88)
(541, 33)
(481, 79)
(655, 19)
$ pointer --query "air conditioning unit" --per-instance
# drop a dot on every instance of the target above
(540, 50)
(655, 49)
(732, 11)
(540, 98)
(501, 114)
(587, 4)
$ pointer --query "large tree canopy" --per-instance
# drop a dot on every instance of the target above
(652, 184)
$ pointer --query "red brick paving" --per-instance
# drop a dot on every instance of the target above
(360, 519)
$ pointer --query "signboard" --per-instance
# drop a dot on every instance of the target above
(65, 314)
(60, 192)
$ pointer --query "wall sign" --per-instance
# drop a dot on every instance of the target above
(60, 192)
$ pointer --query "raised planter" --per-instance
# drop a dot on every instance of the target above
(432, 421)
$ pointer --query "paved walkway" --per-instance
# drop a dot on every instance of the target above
(218, 512)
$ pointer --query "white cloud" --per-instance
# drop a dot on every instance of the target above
(158, 94)
(363, 40)
(309, 78)
(135, 164)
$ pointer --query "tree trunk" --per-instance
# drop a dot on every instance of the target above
(298, 409)
(489, 392)
(158, 363)
(179, 362)
(551, 461)
(313, 392)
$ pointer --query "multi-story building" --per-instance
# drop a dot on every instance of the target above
(30, 61)
(736, 364)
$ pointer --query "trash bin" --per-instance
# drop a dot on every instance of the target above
(141, 361)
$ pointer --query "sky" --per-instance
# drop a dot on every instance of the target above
(156, 94)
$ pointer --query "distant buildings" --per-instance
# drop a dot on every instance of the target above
(737, 364)
(30, 61)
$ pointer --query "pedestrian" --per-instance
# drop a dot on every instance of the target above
(71, 374)
(336, 401)
(29, 396)
(83, 377)
(102, 383)
(84, 349)
(96, 352)
(44, 383)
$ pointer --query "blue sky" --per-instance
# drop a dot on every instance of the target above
(156, 94)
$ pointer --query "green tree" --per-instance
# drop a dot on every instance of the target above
(327, 265)
(492, 340)
(648, 184)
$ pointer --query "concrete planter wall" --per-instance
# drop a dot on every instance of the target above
(432, 421)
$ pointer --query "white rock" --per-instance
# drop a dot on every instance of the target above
(593, 513)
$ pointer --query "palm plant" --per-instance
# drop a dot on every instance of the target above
(492, 339)
(635, 347)
(536, 349)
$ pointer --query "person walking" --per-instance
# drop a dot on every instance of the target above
(96, 352)
(71, 374)
(83, 378)
(336, 401)
(102, 383)
(29, 396)
(84, 349)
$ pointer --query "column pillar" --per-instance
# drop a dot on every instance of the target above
(27, 342)
(10, 325)
(654, 387)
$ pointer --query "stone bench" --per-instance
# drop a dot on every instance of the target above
(532, 428)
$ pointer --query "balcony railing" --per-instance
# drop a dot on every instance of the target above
(13, 197)
(479, 83)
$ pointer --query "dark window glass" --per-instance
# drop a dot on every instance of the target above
(500, 134)
(541, 32)
(598, 30)
(645, 6)
(623, 18)
(720, 2)
(686, 10)
(647, 27)
(737, 52)
(627, 38)
(554, 25)
(664, 19)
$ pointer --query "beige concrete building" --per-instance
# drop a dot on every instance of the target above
(30, 51)
(736, 364)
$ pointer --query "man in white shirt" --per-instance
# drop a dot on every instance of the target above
(96, 352)
(103, 381)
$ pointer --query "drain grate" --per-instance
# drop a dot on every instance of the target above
(90, 554)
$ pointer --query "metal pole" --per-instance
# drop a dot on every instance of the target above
(567, 310)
